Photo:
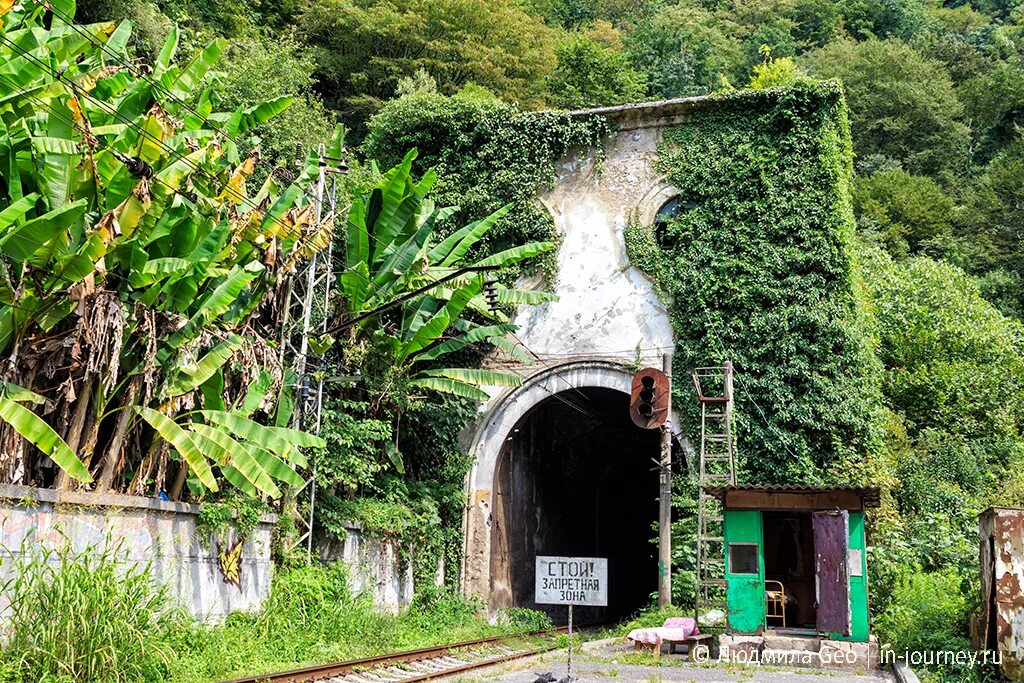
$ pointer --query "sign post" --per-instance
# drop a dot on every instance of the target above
(571, 581)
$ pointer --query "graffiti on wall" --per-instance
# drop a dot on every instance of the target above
(230, 563)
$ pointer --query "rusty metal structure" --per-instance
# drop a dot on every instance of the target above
(999, 627)
(714, 388)
(304, 315)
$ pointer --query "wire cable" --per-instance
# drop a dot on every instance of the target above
(138, 73)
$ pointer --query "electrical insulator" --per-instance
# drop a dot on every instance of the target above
(491, 293)
(138, 168)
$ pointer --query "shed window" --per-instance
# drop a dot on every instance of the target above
(856, 562)
(743, 558)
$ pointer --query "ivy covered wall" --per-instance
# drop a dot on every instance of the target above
(487, 154)
(759, 269)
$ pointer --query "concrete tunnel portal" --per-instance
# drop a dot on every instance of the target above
(574, 477)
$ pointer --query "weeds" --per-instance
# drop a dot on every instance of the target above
(87, 618)
(312, 617)
(97, 618)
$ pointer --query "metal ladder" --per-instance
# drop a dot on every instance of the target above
(717, 468)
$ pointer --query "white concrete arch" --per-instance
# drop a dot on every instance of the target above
(504, 413)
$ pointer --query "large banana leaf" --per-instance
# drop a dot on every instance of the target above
(276, 439)
(182, 442)
(454, 247)
(240, 458)
(514, 255)
(189, 378)
(21, 242)
(34, 430)
(19, 208)
(475, 376)
(450, 386)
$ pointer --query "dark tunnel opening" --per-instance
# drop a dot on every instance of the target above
(575, 478)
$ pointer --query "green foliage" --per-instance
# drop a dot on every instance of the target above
(312, 616)
(953, 361)
(351, 457)
(159, 283)
(991, 241)
(928, 612)
(392, 254)
(775, 73)
(364, 48)
(257, 67)
(684, 49)
(759, 272)
(953, 374)
(95, 617)
(525, 620)
(487, 154)
(240, 512)
(905, 213)
(591, 74)
(902, 106)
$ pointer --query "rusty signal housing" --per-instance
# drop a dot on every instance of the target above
(649, 398)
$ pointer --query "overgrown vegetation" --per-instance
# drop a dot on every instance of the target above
(86, 618)
(759, 272)
(97, 618)
(909, 329)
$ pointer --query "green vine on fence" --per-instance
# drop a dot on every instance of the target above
(216, 518)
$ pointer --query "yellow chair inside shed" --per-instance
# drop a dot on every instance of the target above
(775, 601)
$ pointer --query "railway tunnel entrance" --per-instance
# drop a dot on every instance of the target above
(574, 477)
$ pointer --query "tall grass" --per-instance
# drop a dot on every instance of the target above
(87, 618)
(312, 617)
(92, 618)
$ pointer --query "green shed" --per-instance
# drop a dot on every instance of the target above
(795, 559)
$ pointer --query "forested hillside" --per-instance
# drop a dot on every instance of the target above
(934, 92)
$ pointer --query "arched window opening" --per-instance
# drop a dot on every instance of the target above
(668, 212)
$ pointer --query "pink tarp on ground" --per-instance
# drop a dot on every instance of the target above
(675, 628)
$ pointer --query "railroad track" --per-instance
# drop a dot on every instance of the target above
(425, 664)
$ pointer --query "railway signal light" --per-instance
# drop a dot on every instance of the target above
(649, 398)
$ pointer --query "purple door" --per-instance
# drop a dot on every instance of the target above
(832, 578)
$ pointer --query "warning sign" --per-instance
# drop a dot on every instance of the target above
(572, 580)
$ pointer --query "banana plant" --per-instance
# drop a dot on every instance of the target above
(392, 248)
(138, 262)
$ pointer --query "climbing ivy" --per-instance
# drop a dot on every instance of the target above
(487, 154)
(215, 518)
(759, 269)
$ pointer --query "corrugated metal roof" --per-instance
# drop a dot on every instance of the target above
(872, 496)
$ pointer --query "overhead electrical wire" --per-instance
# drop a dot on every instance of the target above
(138, 73)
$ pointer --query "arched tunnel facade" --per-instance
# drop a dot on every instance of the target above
(575, 479)
(570, 475)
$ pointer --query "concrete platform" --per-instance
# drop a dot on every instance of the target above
(614, 660)
(811, 652)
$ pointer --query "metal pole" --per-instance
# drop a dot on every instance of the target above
(569, 667)
(321, 187)
(665, 501)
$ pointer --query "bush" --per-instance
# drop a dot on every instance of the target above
(525, 620)
(928, 612)
(84, 617)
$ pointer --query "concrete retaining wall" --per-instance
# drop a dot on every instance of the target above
(375, 567)
(148, 530)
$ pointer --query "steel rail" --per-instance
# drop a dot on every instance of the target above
(319, 672)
